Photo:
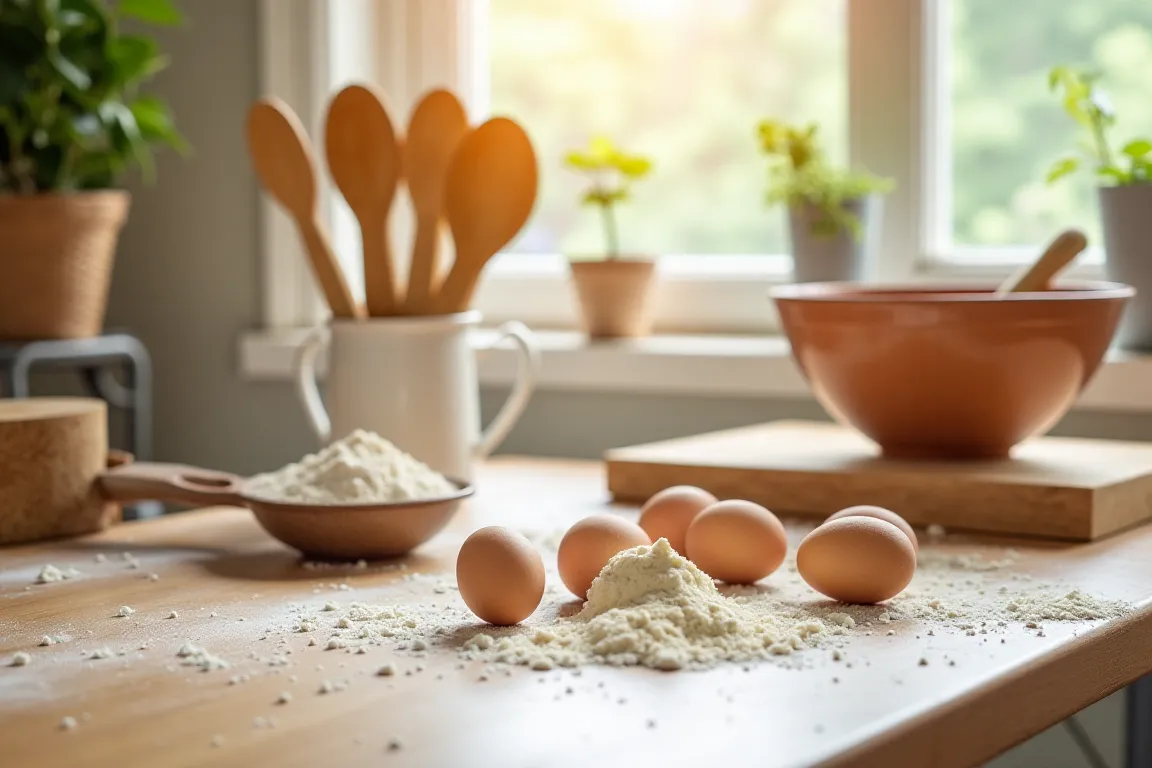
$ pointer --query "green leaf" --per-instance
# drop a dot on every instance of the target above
(1114, 173)
(135, 58)
(72, 74)
(13, 83)
(160, 12)
(1074, 107)
(20, 45)
(125, 133)
(155, 122)
(1141, 170)
(1137, 148)
(1062, 168)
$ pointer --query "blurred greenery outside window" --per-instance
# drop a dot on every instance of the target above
(685, 81)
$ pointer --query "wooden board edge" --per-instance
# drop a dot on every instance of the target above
(635, 482)
(1122, 505)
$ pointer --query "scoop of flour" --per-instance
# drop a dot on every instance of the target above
(363, 468)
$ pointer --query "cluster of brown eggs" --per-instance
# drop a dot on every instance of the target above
(858, 555)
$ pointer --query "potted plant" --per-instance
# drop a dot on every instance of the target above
(72, 121)
(1125, 195)
(834, 214)
(615, 292)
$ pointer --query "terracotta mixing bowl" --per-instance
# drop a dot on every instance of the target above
(948, 372)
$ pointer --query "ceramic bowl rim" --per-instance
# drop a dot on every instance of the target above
(944, 293)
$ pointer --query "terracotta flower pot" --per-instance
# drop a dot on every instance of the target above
(56, 254)
(615, 296)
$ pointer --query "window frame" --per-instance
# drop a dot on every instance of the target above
(897, 118)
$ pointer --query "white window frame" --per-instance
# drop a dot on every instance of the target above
(897, 115)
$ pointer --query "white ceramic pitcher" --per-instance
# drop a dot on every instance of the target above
(413, 381)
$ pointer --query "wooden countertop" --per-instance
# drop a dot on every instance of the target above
(231, 585)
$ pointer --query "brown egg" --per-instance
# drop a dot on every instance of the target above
(588, 546)
(500, 575)
(669, 513)
(857, 559)
(867, 510)
(737, 541)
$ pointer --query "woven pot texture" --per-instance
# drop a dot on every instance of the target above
(56, 255)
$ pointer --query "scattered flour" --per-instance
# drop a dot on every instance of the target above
(20, 659)
(194, 656)
(651, 607)
(125, 611)
(361, 468)
(50, 573)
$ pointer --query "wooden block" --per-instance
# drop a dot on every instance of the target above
(51, 451)
(1061, 488)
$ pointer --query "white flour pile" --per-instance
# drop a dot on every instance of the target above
(363, 468)
(652, 607)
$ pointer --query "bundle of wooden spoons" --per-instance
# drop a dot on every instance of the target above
(482, 181)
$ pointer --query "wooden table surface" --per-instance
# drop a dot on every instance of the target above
(232, 586)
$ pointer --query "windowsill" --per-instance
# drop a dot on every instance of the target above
(709, 366)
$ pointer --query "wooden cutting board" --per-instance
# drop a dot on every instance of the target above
(1061, 488)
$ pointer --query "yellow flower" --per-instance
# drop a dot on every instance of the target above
(772, 136)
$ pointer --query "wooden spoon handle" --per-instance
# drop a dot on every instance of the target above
(170, 482)
(327, 270)
(422, 283)
(379, 279)
(455, 294)
(1035, 277)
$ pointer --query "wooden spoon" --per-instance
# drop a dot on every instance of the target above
(364, 161)
(437, 125)
(282, 158)
(1035, 277)
(489, 193)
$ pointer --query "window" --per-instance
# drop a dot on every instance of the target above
(1007, 128)
(683, 81)
(948, 97)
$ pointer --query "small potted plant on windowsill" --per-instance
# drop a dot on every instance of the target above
(1125, 195)
(614, 292)
(834, 214)
(72, 122)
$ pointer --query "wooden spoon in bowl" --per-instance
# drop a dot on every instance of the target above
(282, 158)
(489, 194)
(364, 161)
(435, 129)
(1035, 277)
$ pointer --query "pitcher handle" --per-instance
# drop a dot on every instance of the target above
(527, 369)
(308, 390)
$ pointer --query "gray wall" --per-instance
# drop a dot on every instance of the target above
(187, 276)
(187, 282)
